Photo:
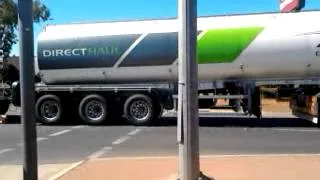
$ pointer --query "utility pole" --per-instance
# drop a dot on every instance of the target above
(25, 21)
(187, 132)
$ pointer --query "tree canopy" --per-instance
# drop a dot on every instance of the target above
(9, 22)
(8, 27)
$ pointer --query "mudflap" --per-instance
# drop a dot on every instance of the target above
(254, 101)
(318, 110)
(234, 89)
(4, 105)
(15, 99)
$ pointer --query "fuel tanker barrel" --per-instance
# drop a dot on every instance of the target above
(252, 46)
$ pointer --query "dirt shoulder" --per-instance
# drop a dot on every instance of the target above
(272, 105)
(268, 105)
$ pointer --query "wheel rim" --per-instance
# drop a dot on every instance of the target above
(50, 110)
(139, 110)
(94, 110)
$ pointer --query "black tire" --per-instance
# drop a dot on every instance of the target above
(4, 105)
(100, 104)
(52, 101)
(146, 103)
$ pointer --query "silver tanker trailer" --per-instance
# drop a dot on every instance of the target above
(101, 69)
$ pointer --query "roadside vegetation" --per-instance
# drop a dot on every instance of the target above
(9, 33)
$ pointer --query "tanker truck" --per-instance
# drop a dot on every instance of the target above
(102, 70)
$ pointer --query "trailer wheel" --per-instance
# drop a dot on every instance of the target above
(138, 109)
(48, 109)
(93, 109)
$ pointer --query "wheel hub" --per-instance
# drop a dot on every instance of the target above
(94, 110)
(49, 110)
(139, 109)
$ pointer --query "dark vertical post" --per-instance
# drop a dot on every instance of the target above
(25, 21)
(188, 136)
(318, 110)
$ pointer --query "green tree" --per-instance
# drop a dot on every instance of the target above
(9, 24)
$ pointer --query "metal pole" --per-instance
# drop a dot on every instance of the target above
(188, 136)
(25, 20)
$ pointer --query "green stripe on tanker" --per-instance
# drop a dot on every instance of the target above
(224, 45)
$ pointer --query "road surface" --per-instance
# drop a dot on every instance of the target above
(219, 135)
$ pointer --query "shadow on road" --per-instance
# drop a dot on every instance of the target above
(12, 119)
(215, 121)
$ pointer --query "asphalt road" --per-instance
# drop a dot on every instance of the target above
(218, 135)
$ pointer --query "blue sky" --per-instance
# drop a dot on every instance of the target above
(66, 11)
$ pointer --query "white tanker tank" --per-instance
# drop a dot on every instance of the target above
(253, 46)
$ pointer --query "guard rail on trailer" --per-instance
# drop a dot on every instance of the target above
(175, 98)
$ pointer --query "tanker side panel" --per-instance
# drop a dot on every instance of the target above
(314, 45)
(241, 47)
(156, 49)
(83, 52)
(149, 49)
(109, 59)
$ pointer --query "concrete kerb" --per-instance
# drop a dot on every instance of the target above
(207, 156)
